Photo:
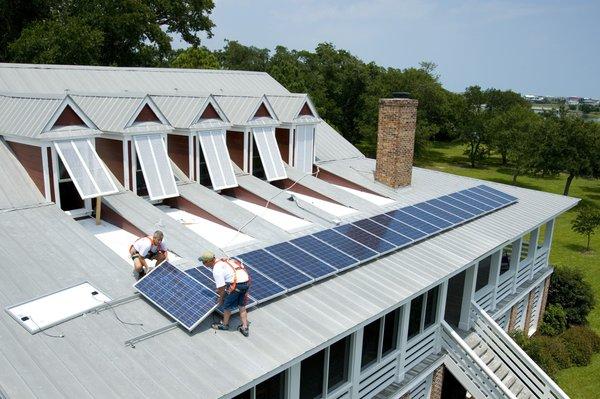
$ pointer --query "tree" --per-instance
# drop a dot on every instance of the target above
(569, 290)
(195, 57)
(473, 129)
(586, 222)
(16, 15)
(111, 32)
(246, 58)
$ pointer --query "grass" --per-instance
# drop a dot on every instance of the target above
(567, 247)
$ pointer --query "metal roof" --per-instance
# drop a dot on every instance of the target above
(240, 109)
(181, 111)
(27, 78)
(330, 145)
(287, 108)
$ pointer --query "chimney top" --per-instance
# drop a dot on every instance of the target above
(400, 94)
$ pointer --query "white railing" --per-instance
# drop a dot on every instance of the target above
(524, 271)
(483, 297)
(378, 378)
(473, 367)
(541, 260)
(420, 346)
(505, 285)
(530, 374)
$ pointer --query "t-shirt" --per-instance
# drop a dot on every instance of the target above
(223, 273)
(144, 245)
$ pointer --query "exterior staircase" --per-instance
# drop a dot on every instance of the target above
(493, 364)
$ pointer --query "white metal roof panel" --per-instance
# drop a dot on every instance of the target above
(26, 116)
(180, 110)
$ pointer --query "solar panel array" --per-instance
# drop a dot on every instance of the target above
(288, 266)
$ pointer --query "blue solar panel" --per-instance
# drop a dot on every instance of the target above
(413, 221)
(481, 198)
(177, 294)
(346, 245)
(332, 256)
(451, 208)
(461, 205)
(428, 207)
(498, 193)
(262, 288)
(399, 227)
(470, 201)
(201, 277)
(375, 243)
(380, 231)
(276, 270)
(302, 261)
(491, 195)
(427, 217)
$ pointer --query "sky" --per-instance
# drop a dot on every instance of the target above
(530, 46)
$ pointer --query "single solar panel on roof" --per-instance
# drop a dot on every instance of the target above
(177, 294)
(491, 196)
(470, 201)
(427, 217)
(301, 260)
(327, 253)
(461, 205)
(261, 287)
(412, 221)
(399, 227)
(345, 244)
(275, 269)
(451, 208)
(359, 235)
(481, 198)
(202, 278)
(449, 217)
(383, 232)
(498, 193)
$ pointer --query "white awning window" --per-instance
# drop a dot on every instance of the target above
(269, 152)
(89, 174)
(217, 159)
(156, 166)
(304, 148)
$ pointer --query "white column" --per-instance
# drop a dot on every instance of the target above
(191, 155)
(468, 293)
(126, 166)
(548, 235)
(495, 275)
(355, 362)
(46, 168)
(515, 261)
(533, 250)
(56, 176)
(440, 311)
(293, 382)
(247, 152)
(403, 337)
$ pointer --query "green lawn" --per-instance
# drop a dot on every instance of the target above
(567, 247)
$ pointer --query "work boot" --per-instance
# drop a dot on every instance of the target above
(220, 326)
(244, 330)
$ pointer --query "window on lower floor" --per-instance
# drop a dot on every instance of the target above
(390, 332)
(335, 360)
(339, 363)
(377, 342)
(423, 312)
(414, 320)
(505, 258)
(483, 273)
(431, 308)
(370, 343)
(272, 388)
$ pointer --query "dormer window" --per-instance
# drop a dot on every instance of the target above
(68, 117)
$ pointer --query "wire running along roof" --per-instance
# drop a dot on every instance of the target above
(287, 266)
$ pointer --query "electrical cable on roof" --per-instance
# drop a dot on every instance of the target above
(267, 205)
(110, 306)
(44, 332)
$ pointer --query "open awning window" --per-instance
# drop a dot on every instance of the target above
(89, 174)
(217, 159)
(269, 152)
(304, 148)
(156, 166)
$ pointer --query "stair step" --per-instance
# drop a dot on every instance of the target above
(517, 387)
(494, 365)
(502, 372)
(509, 380)
(524, 394)
(487, 357)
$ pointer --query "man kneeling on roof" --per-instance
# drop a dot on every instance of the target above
(151, 248)
(232, 281)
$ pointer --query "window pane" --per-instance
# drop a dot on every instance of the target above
(339, 359)
(257, 167)
(311, 376)
(390, 331)
(243, 395)
(370, 343)
(483, 273)
(273, 388)
(432, 302)
(414, 321)
(204, 175)
(505, 259)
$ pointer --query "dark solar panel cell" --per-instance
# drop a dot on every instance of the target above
(346, 245)
(302, 261)
(382, 232)
(327, 253)
(449, 217)
(451, 208)
(275, 269)
(359, 235)
(427, 217)
(413, 221)
(399, 227)
(461, 205)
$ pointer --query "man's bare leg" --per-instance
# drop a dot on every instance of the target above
(244, 316)
(138, 264)
(226, 317)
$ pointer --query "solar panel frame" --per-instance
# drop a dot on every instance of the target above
(326, 256)
(490, 195)
(452, 209)
(267, 269)
(341, 242)
(461, 205)
(295, 257)
(413, 221)
(435, 211)
(473, 202)
(427, 217)
(370, 226)
(169, 269)
(365, 238)
(399, 227)
(482, 198)
(499, 193)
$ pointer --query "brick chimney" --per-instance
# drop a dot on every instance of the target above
(396, 140)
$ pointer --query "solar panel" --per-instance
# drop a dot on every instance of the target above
(428, 217)
(490, 195)
(275, 269)
(451, 208)
(413, 221)
(498, 193)
(461, 205)
(482, 198)
(178, 295)
(346, 245)
(301, 260)
(327, 253)
(359, 235)
(382, 232)
(399, 227)
(470, 201)
(261, 288)
(201, 277)
(427, 207)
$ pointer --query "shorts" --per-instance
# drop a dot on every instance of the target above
(237, 298)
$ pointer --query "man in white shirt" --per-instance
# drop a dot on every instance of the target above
(152, 248)
(232, 282)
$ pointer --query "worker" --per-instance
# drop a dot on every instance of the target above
(232, 282)
(151, 248)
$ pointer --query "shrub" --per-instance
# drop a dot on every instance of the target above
(569, 290)
(582, 343)
(550, 353)
(555, 321)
